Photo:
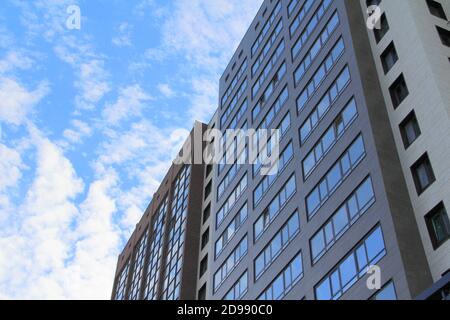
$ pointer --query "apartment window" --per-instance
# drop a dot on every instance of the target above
(399, 91)
(423, 174)
(239, 289)
(389, 57)
(444, 35)
(384, 28)
(202, 293)
(386, 293)
(410, 129)
(436, 9)
(205, 238)
(438, 225)
(231, 230)
(203, 266)
(208, 190)
(209, 169)
(372, 2)
(206, 213)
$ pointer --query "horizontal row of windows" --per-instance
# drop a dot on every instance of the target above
(325, 104)
(313, 52)
(285, 157)
(232, 150)
(239, 289)
(234, 82)
(329, 138)
(352, 268)
(300, 16)
(312, 24)
(285, 281)
(320, 74)
(267, 47)
(230, 202)
(274, 110)
(335, 176)
(230, 263)
(259, 40)
(233, 103)
(231, 230)
(267, 148)
(276, 80)
(268, 68)
(345, 216)
(239, 115)
(275, 207)
(231, 174)
(279, 242)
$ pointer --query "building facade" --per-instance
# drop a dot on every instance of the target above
(358, 183)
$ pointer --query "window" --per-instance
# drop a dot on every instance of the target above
(384, 28)
(372, 2)
(444, 35)
(230, 230)
(386, 293)
(203, 266)
(389, 57)
(438, 225)
(267, 47)
(208, 190)
(352, 268)
(205, 238)
(239, 289)
(409, 129)
(300, 15)
(399, 91)
(202, 293)
(266, 28)
(231, 201)
(206, 213)
(348, 213)
(423, 174)
(285, 281)
(209, 169)
(436, 9)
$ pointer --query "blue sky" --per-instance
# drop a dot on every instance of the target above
(89, 122)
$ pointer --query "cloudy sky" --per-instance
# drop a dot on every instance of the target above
(89, 122)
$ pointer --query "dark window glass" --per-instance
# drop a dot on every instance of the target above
(384, 28)
(206, 213)
(410, 129)
(399, 91)
(389, 57)
(205, 238)
(202, 293)
(423, 174)
(372, 2)
(208, 190)
(203, 265)
(445, 36)
(436, 9)
(438, 225)
(209, 168)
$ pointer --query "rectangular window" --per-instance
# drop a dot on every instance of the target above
(239, 289)
(399, 91)
(436, 9)
(386, 293)
(330, 137)
(389, 57)
(231, 201)
(352, 268)
(274, 208)
(325, 104)
(320, 74)
(203, 266)
(444, 35)
(335, 176)
(300, 15)
(372, 3)
(310, 27)
(230, 263)
(205, 238)
(122, 280)
(348, 213)
(278, 243)
(234, 82)
(409, 129)
(230, 231)
(268, 180)
(202, 293)
(274, 110)
(267, 47)
(270, 21)
(384, 28)
(423, 174)
(138, 267)
(320, 42)
(232, 173)
(229, 110)
(438, 225)
(285, 281)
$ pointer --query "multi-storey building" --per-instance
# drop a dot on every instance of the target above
(363, 176)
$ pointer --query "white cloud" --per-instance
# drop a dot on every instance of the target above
(130, 102)
(13, 60)
(166, 90)
(16, 102)
(123, 38)
(78, 131)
